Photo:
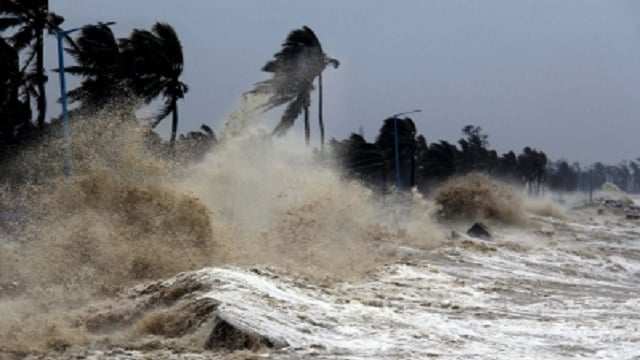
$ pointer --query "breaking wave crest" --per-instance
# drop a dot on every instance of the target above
(127, 216)
(478, 197)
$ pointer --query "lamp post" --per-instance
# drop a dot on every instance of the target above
(397, 146)
(591, 184)
(61, 34)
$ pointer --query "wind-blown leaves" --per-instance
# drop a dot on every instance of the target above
(32, 18)
(156, 63)
(294, 68)
(100, 63)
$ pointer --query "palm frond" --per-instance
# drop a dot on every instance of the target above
(30, 56)
(22, 38)
(170, 43)
(294, 69)
(9, 22)
(53, 22)
(76, 70)
(207, 130)
(299, 42)
(164, 111)
(290, 114)
(155, 62)
(334, 62)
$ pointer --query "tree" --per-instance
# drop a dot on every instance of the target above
(15, 115)
(155, 62)
(598, 175)
(475, 155)
(508, 166)
(407, 144)
(362, 160)
(441, 161)
(101, 64)
(619, 175)
(294, 68)
(33, 18)
(562, 177)
(195, 144)
(531, 166)
(475, 136)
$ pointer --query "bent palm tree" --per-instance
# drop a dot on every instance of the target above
(156, 62)
(33, 18)
(101, 64)
(294, 69)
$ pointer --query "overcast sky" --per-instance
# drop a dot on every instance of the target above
(560, 76)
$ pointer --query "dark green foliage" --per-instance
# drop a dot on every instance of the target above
(15, 114)
(441, 161)
(407, 144)
(531, 168)
(100, 63)
(30, 19)
(293, 69)
(147, 65)
(475, 155)
(155, 62)
(363, 161)
(424, 166)
(562, 177)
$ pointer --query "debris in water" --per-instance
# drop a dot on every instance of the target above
(480, 231)
(231, 336)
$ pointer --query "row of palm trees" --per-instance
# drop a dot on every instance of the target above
(425, 166)
(563, 176)
(147, 65)
(30, 19)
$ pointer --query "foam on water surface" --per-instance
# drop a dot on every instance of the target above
(283, 244)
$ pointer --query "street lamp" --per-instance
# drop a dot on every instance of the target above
(591, 184)
(63, 93)
(397, 146)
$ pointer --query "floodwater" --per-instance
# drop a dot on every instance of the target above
(132, 260)
(557, 289)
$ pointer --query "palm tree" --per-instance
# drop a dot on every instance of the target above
(362, 160)
(407, 144)
(156, 63)
(335, 64)
(441, 160)
(532, 164)
(14, 114)
(33, 18)
(294, 69)
(101, 64)
(508, 166)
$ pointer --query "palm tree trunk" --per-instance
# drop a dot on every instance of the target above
(307, 130)
(320, 120)
(40, 78)
(413, 167)
(174, 123)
